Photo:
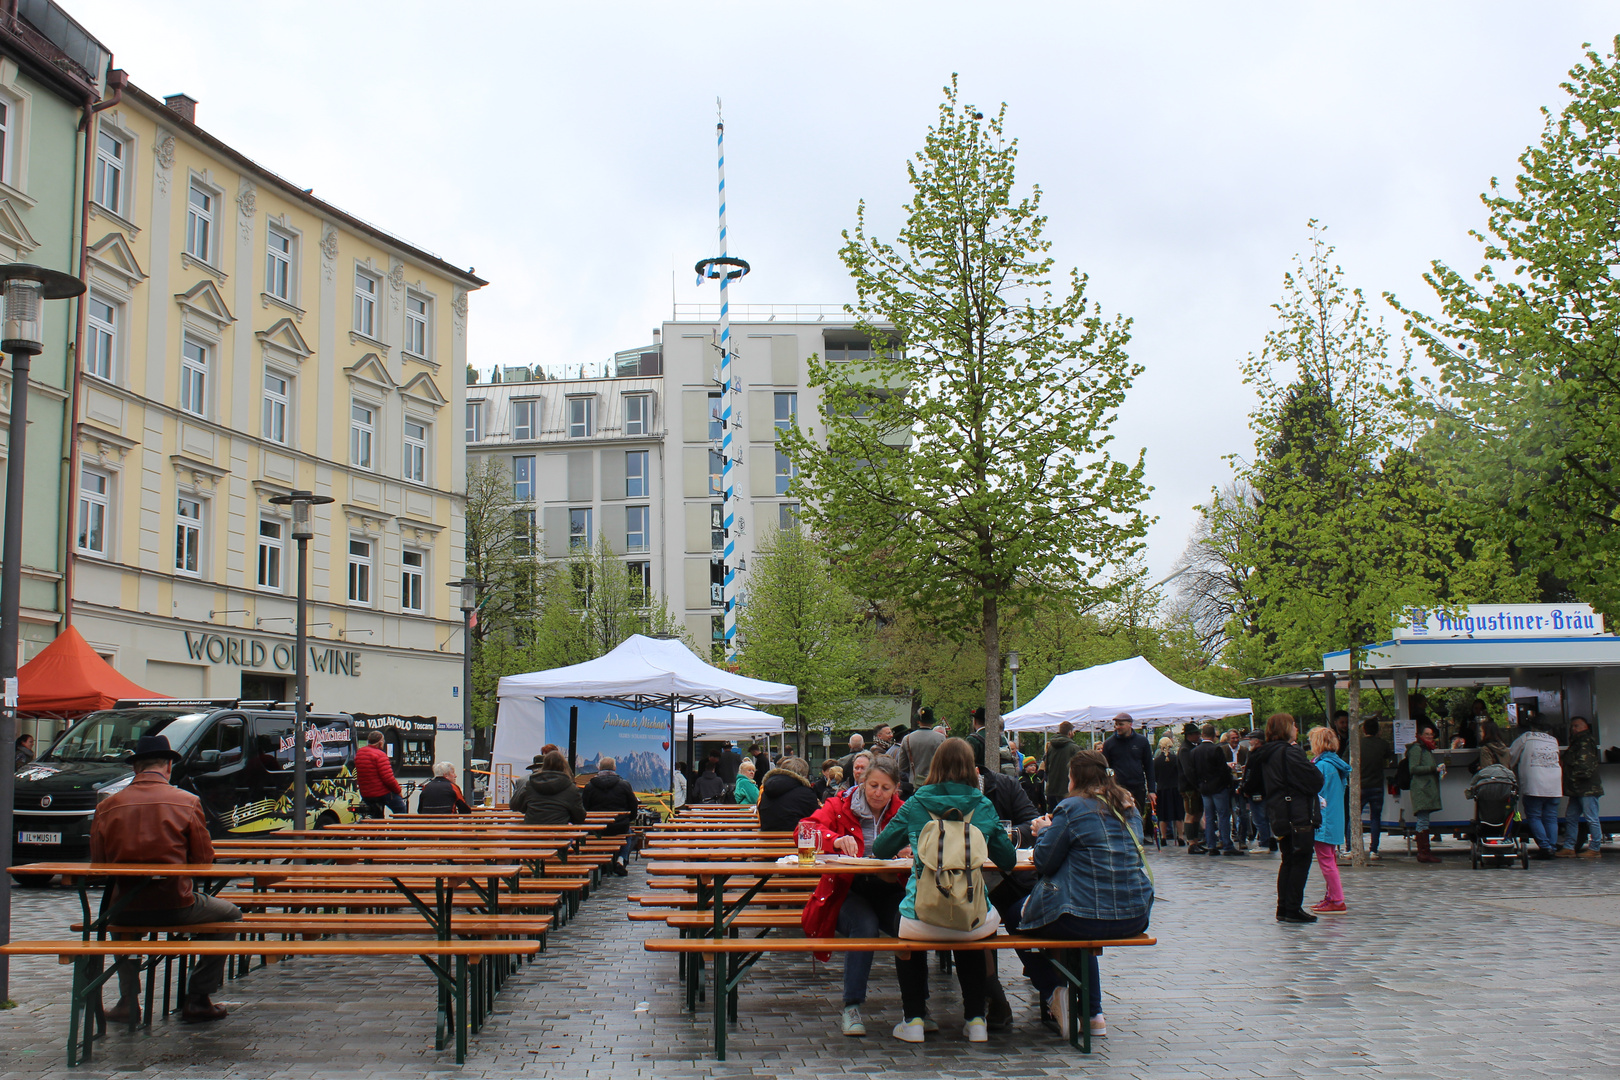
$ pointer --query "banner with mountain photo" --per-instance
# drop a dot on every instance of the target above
(638, 742)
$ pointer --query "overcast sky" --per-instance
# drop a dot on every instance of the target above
(565, 151)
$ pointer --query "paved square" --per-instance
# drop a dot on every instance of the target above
(1438, 972)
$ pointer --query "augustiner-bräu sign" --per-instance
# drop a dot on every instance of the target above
(247, 652)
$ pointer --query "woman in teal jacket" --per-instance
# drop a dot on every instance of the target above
(952, 784)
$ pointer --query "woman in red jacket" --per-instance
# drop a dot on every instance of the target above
(856, 905)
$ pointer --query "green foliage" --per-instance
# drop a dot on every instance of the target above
(965, 467)
(1528, 351)
(798, 625)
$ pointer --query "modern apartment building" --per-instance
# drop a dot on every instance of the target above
(244, 339)
(630, 449)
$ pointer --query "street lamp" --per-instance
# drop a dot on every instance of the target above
(23, 336)
(469, 604)
(303, 531)
(1012, 666)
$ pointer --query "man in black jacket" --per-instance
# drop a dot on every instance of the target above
(607, 790)
(1214, 776)
(709, 787)
(1130, 755)
(1187, 771)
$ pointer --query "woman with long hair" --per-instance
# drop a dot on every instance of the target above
(1094, 882)
(1280, 774)
(1330, 834)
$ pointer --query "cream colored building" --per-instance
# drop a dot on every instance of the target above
(243, 339)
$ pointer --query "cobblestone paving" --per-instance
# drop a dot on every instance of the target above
(1438, 972)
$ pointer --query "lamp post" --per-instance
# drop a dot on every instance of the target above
(469, 604)
(303, 531)
(1012, 666)
(26, 287)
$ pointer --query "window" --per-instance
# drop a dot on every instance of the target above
(271, 552)
(277, 398)
(581, 421)
(787, 406)
(8, 114)
(637, 414)
(640, 583)
(523, 478)
(416, 435)
(101, 342)
(416, 324)
(717, 526)
(475, 421)
(360, 571)
(194, 377)
(278, 265)
(365, 304)
(110, 172)
(412, 575)
(523, 531)
(717, 473)
(95, 491)
(188, 527)
(635, 528)
(200, 224)
(523, 419)
(717, 429)
(635, 474)
(362, 430)
(787, 516)
(717, 583)
(579, 529)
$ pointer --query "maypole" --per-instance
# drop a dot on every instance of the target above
(726, 269)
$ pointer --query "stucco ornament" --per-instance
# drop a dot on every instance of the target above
(329, 244)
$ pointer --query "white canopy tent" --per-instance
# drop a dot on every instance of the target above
(1091, 698)
(728, 722)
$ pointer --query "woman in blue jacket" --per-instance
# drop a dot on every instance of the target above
(1330, 834)
(1094, 882)
(953, 784)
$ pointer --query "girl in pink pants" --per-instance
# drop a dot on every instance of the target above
(1330, 834)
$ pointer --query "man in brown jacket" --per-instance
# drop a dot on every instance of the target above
(152, 821)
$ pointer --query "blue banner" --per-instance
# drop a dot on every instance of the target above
(637, 741)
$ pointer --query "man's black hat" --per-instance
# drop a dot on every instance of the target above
(152, 746)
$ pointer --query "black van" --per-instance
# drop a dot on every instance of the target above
(237, 756)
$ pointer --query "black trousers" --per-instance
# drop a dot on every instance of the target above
(970, 973)
(1293, 870)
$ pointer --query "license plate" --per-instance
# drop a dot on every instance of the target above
(39, 838)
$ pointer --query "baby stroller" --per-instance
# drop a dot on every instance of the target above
(1495, 792)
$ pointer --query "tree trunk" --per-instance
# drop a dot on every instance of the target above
(991, 626)
(1358, 853)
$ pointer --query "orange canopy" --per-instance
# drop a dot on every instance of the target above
(68, 677)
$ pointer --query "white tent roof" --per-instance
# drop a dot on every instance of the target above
(647, 671)
(1091, 698)
(726, 722)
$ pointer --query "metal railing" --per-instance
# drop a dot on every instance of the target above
(763, 313)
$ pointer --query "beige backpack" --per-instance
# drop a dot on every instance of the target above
(950, 880)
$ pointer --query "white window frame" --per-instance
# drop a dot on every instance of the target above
(579, 541)
(717, 430)
(272, 555)
(787, 516)
(632, 479)
(277, 404)
(630, 532)
(475, 421)
(362, 570)
(639, 572)
(785, 469)
(190, 536)
(523, 478)
(413, 591)
(9, 126)
(581, 416)
(641, 424)
(113, 163)
(363, 434)
(525, 413)
(194, 375)
(365, 303)
(93, 505)
(203, 221)
(418, 325)
(282, 264)
(101, 337)
(416, 456)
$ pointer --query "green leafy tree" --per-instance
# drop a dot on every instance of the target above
(500, 547)
(965, 465)
(798, 625)
(1528, 350)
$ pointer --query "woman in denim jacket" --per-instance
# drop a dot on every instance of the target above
(1093, 883)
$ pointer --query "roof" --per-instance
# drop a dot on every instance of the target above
(293, 191)
(1091, 697)
(648, 672)
(69, 677)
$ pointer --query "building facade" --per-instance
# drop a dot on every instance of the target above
(51, 73)
(630, 449)
(244, 339)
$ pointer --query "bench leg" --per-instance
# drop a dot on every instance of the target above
(461, 1010)
(722, 970)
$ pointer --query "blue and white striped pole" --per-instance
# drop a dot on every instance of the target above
(728, 509)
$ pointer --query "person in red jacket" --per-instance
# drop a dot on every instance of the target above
(862, 904)
(378, 788)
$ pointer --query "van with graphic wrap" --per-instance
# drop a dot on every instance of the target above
(236, 756)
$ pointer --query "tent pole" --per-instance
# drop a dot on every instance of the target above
(691, 726)
(573, 735)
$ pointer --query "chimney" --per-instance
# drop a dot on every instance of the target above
(184, 106)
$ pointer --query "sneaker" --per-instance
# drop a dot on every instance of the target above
(976, 1030)
(852, 1021)
(929, 1024)
(1099, 1027)
(1373, 855)
(1058, 1005)
(910, 1031)
(1325, 908)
